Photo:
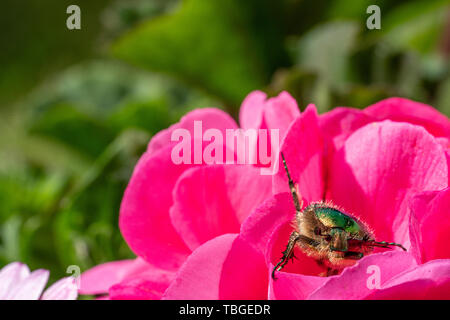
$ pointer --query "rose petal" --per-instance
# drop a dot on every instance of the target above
(404, 110)
(210, 118)
(355, 281)
(213, 200)
(252, 109)
(223, 268)
(338, 124)
(149, 287)
(144, 213)
(275, 113)
(430, 225)
(379, 169)
(427, 281)
(303, 150)
(258, 228)
(100, 278)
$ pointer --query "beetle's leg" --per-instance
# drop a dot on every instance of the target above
(332, 272)
(379, 244)
(352, 255)
(298, 203)
(384, 244)
(289, 252)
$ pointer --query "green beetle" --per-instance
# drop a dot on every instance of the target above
(324, 232)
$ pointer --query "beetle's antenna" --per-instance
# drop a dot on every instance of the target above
(292, 186)
(384, 244)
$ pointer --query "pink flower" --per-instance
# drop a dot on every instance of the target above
(216, 232)
(169, 210)
(17, 283)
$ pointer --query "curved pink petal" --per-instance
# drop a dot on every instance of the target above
(213, 200)
(100, 278)
(427, 281)
(338, 124)
(223, 268)
(149, 287)
(430, 225)
(258, 228)
(355, 282)
(275, 113)
(251, 113)
(211, 118)
(11, 275)
(378, 170)
(303, 150)
(31, 287)
(404, 110)
(64, 289)
(144, 213)
(293, 286)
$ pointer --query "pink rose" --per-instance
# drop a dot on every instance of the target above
(215, 232)
(169, 210)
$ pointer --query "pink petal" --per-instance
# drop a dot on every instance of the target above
(427, 281)
(303, 150)
(293, 286)
(10, 276)
(251, 113)
(100, 278)
(213, 200)
(275, 113)
(31, 287)
(353, 282)
(223, 268)
(380, 168)
(338, 124)
(138, 289)
(144, 213)
(210, 118)
(64, 289)
(258, 228)
(430, 225)
(404, 110)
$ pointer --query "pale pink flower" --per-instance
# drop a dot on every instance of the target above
(18, 283)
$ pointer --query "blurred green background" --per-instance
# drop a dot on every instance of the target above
(77, 107)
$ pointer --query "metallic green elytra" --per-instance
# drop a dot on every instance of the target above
(333, 218)
(325, 232)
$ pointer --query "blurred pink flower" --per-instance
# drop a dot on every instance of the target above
(18, 283)
(215, 232)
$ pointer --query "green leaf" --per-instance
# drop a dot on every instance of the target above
(326, 51)
(415, 25)
(228, 47)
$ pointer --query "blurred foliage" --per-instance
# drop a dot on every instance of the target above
(77, 108)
